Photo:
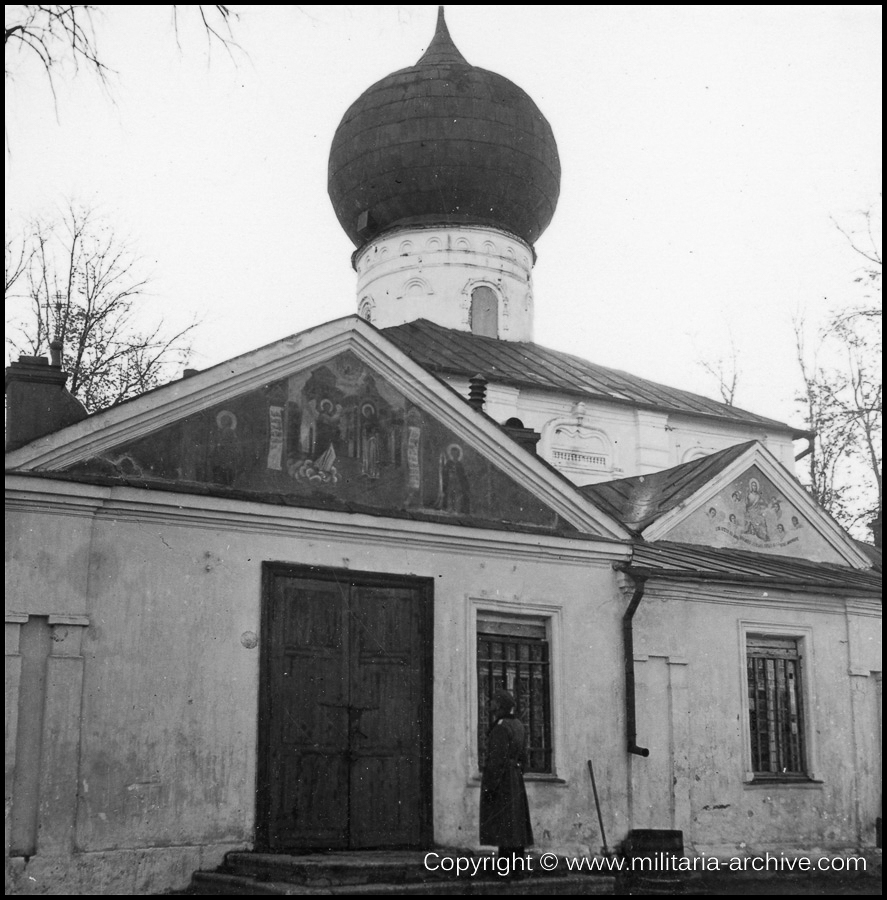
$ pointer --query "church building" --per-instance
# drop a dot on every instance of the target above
(266, 606)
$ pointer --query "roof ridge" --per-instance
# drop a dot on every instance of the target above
(635, 389)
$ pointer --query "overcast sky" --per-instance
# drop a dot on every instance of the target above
(704, 151)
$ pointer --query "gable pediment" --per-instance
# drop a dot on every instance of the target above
(755, 504)
(342, 420)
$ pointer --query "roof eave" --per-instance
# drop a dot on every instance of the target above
(787, 583)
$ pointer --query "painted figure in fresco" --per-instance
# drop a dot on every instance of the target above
(369, 445)
(453, 495)
(224, 454)
(328, 425)
(369, 459)
(755, 523)
(796, 522)
(504, 810)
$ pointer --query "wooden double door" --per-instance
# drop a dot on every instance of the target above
(345, 710)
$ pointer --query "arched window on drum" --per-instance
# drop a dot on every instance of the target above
(484, 312)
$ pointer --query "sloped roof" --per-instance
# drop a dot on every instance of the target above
(872, 552)
(666, 559)
(641, 499)
(524, 364)
(117, 428)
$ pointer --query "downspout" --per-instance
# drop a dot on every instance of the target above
(640, 582)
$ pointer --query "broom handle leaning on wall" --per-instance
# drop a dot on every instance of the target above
(597, 805)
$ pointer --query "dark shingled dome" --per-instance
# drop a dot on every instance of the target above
(444, 143)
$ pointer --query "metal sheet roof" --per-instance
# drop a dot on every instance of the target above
(642, 499)
(443, 142)
(665, 559)
(523, 364)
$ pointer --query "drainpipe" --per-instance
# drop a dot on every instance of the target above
(628, 645)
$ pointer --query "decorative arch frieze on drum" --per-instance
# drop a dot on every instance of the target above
(366, 308)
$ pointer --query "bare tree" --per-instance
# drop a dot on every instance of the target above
(726, 372)
(75, 280)
(826, 462)
(842, 394)
(65, 36)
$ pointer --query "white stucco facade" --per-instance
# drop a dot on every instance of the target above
(432, 273)
(591, 441)
(148, 750)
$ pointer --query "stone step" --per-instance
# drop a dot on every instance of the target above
(229, 883)
(365, 868)
(333, 868)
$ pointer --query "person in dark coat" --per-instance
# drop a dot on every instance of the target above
(504, 811)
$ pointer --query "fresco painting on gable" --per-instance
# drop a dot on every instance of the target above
(752, 514)
(337, 432)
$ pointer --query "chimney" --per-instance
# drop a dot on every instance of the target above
(526, 437)
(477, 392)
(37, 402)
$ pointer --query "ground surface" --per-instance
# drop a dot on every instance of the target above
(787, 884)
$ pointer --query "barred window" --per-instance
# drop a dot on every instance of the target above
(513, 654)
(775, 706)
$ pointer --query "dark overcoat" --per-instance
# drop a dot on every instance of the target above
(504, 811)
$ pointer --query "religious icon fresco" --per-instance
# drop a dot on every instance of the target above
(752, 514)
(337, 434)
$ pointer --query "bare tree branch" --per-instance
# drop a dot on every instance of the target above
(79, 282)
(726, 372)
(842, 395)
(59, 36)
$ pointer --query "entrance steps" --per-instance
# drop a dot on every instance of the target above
(378, 873)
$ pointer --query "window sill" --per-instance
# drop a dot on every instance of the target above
(542, 778)
(797, 781)
(529, 778)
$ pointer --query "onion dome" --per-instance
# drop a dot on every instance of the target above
(444, 143)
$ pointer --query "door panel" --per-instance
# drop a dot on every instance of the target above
(307, 719)
(345, 711)
(386, 687)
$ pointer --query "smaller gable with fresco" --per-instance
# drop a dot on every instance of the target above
(331, 424)
(740, 499)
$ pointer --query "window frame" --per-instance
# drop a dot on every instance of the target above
(497, 309)
(803, 636)
(526, 657)
(534, 613)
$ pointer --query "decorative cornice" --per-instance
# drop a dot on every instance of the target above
(125, 504)
(771, 598)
